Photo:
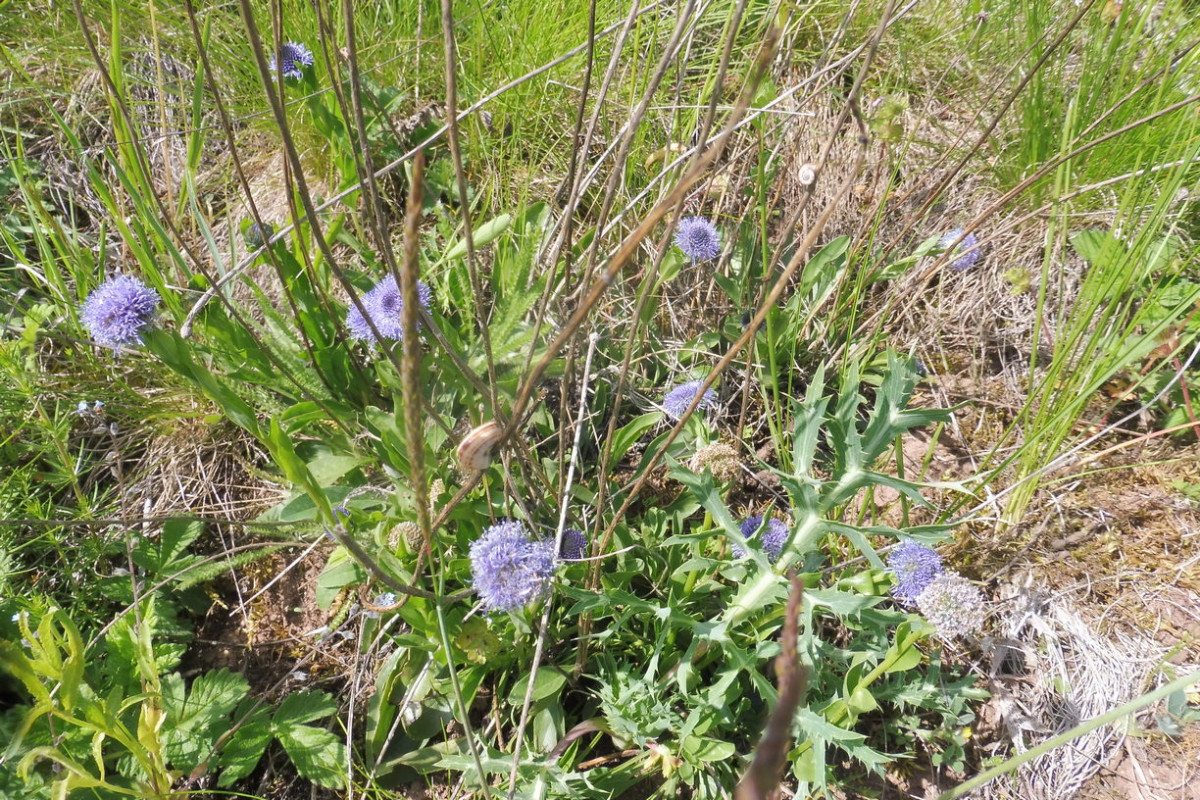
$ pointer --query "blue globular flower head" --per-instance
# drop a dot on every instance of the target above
(774, 536)
(574, 545)
(953, 604)
(678, 399)
(915, 566)
(384, 304)
(698, 239)
(965, 253)
(118, 311)
(508, 570)
(257, 235)
(292, 56)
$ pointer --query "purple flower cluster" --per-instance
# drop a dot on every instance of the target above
(774, 536)
(257, 235)
(966, 253)
(574, 545)
(508, 569)
(698, 239)
(914, 566)
(678, 399)
(383, 305)
(953, 604)
(117, 312)
(292, 56)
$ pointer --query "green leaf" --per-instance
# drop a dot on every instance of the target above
(840, 603)
(547, 683)
(213, 696)
(303, 707)
(707, 750)
(340, 571)
(903, 655)
(245, 748)
(482, 236)
(169, 556)
(284, 453)
(625, 437)
(318, 754)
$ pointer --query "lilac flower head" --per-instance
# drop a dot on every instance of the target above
(966, 253)
(953, 604)
(257, 235)
(915, 566)
(774, 536)
(574, 545)
(678, 399)
(384, 304)
(698, 239)
(508, 570)
(118, 311)
(292, 56)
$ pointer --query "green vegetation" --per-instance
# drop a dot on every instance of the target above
(250, 489)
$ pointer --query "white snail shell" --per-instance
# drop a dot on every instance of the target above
(808, 175)
(475, 450)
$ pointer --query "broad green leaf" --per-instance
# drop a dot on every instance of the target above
(245, 748)
(548, 682)
(708, 750)
(340, 571)
(318, 754)
(626, 436)
(303, 707)
(213, 696)
(482, 236)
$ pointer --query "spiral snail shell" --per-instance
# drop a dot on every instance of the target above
(808, 175)
(475, 450)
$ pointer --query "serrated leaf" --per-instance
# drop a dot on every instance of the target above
(212, 697)
(245, 748)
(302, 707)
(317, 754)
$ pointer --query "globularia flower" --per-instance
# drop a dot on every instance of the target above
(915, 566)
(508, 570)
(292, 56)
(965, 253)
(678, 399)
(118, 311)
(256, 235)
(953, 604)
(698, 239)
(774, 536)
(719, 458)
(384, 304)
(574, 545)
